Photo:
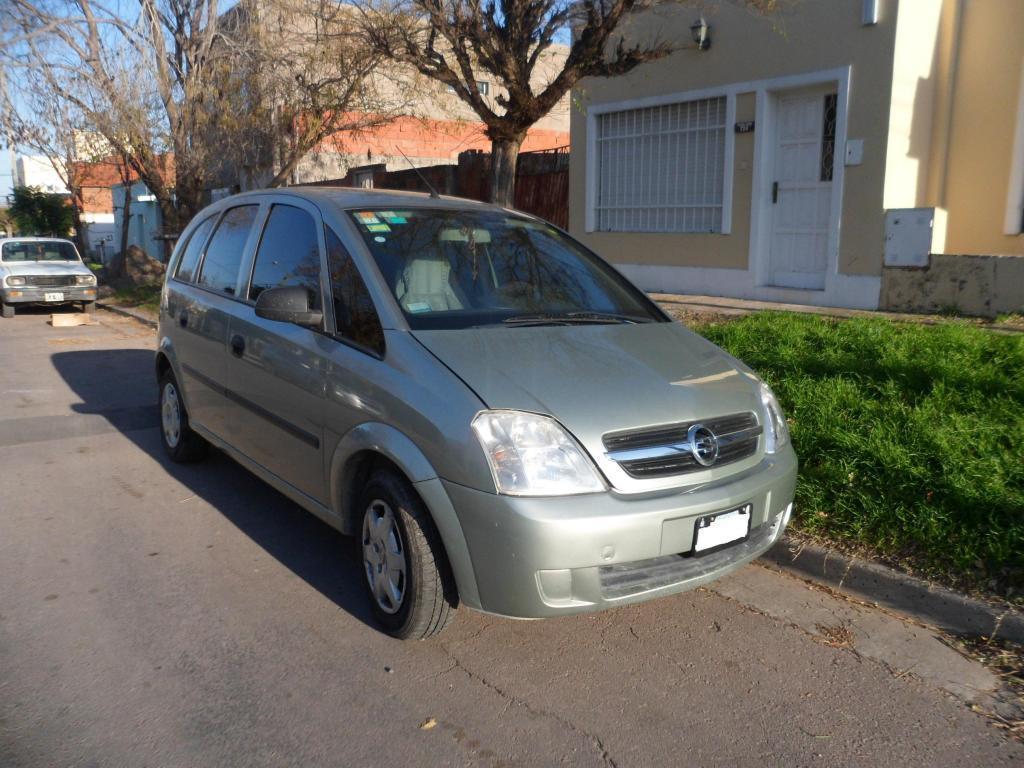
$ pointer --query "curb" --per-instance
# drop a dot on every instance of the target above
(950, 611)
(145, 319)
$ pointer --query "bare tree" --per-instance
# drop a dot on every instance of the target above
(299, 71)
(454, 41)
(32, 116)
(179, 90)
(138, 79)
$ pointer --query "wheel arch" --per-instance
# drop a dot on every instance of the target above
(372, 446)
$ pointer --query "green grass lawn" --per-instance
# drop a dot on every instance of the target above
(910, 437)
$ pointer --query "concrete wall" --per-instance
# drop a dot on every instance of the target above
(972, 285)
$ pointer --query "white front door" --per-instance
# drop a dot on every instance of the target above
(802, 188)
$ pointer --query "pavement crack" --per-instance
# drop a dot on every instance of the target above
(513, 700)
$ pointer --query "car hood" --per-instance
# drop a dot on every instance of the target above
(45, 268)
(599, 378)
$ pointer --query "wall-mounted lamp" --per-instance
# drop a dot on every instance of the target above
(701, 33)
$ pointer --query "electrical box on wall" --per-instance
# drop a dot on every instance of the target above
(912, 235)
(854, 151)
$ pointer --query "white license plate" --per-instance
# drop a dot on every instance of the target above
(53, 296)
(713, 531)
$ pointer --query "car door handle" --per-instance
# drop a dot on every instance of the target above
(237, 345)
(183, 318)
(775, 192)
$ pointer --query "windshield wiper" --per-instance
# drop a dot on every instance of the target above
(571, 318)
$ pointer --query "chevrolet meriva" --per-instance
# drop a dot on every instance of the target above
(498, 415)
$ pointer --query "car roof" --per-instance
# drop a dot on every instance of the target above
(34, 240)
(355, 197)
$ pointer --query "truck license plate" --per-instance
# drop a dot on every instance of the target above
(56, 296)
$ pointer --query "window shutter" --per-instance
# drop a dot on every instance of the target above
(662, 169)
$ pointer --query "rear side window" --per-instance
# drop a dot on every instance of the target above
(194, 247)
(224, 253)
(354, 314)
(289, 253)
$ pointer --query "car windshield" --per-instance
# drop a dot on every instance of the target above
(460, 269)
(38, 250)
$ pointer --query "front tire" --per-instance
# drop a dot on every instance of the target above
(183, 446)
(88, 307)
(7, 310)
(412, 592)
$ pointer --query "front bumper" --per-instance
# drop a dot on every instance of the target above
(30, 294)
(541, 557)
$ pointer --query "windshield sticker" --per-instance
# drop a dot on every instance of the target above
(367, 217)
(391, 217)
(418, 306)
(378, 228)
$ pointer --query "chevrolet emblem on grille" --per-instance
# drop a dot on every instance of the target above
(703, 444)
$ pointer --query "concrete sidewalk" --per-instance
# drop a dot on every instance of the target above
(720, 305)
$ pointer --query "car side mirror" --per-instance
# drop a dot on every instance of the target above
(288, 304)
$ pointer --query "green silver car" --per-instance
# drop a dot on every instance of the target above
(501, 418)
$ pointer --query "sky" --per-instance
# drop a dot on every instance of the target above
(6, 176)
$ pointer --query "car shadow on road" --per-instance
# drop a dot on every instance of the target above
(308, 547)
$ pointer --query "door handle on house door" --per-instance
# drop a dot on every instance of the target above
(775, 192)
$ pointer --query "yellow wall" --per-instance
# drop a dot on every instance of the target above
(802, 37)
(985, 87)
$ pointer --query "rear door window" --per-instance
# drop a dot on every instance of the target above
(193, 249)
(289, 253)
(219, 271)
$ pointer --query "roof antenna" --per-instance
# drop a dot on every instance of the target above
(433, 192)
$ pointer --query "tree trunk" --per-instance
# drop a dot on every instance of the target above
(76, 222)
(504, 154)
(126, 219)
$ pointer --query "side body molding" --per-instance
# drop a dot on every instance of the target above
(398, 448)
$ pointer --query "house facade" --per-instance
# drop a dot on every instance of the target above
(863, 153)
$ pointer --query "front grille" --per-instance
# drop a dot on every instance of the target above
(49, 281)
(658, 451)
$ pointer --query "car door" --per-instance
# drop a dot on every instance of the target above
(200, 297)
(276, 371)
(361, 385)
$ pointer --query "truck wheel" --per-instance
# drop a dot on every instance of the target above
(410, 585)
(88, 307)
(7, 310)
(181, 443)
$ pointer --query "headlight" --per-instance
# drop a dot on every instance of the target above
(85, 279)
(532, 455)
(15, 280)
(776, 433)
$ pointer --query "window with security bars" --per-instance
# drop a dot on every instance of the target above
(662, 169)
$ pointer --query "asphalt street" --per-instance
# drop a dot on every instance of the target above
(158, 615)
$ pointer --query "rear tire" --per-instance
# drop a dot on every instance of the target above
(183, 446)
(7, 310)
(409, 583)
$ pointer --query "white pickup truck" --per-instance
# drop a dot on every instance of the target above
(43, 270)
